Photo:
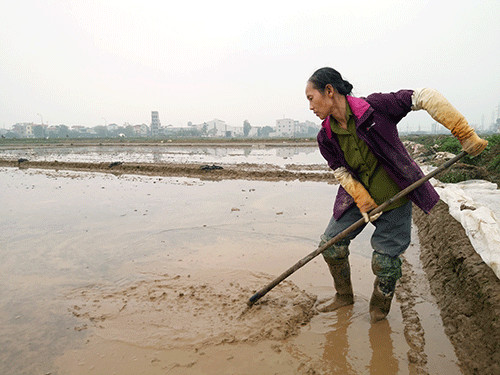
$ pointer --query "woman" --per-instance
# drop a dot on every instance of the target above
(360, 142)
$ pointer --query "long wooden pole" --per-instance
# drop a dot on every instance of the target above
(350, 229)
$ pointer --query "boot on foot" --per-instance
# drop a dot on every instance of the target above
(380, 302)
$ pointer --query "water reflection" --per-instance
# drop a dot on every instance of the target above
(383, 361)
(337, 344)
(280, 156)
(289, 152)
(342, 344)
(157, 156)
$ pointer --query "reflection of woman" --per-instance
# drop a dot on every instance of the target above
(336, 350)
(360, 142)
(383, 360)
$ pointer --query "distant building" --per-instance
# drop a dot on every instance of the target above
(285, 127)
(307, 128)
(216, 128)
(24, 129)
(29, 131)
(155, 124)
(141, 130)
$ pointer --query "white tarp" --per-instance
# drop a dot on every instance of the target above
(476, 205)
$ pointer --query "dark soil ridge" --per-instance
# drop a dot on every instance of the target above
(413, 330)
(190, 170)
(466, 289)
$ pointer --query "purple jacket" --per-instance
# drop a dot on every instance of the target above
(376, 118)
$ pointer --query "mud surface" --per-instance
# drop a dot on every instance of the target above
(467, 290)
(118, 273)
(246, 171)
(189, 311)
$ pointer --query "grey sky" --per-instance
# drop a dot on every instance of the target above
(87, 62)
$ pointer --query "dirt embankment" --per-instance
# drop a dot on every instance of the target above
(191, 170)
(467, 290)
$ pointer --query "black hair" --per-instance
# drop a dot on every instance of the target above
(325, 76)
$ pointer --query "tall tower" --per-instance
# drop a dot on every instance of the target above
(155, 123)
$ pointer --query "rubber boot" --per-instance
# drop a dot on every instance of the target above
(341, 272)
(380, 302)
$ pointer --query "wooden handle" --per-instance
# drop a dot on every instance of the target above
(350, 229)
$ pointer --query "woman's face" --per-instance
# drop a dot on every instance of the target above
(320, 103)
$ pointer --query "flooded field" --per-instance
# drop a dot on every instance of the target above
(171, 153)
(124, 274)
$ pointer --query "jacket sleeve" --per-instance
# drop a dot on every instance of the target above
(394, 105)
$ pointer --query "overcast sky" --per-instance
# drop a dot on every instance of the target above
(114, 61)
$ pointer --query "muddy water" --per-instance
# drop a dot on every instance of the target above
(104, 274)
(170, 153)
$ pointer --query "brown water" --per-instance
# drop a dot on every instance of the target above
(127, 275)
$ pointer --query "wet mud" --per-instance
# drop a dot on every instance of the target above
(246, 171)
(413, 330)
(467, 290)
(189, 311)
(152, 275)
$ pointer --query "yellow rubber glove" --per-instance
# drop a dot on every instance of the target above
(357, 191)
(443, 112)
